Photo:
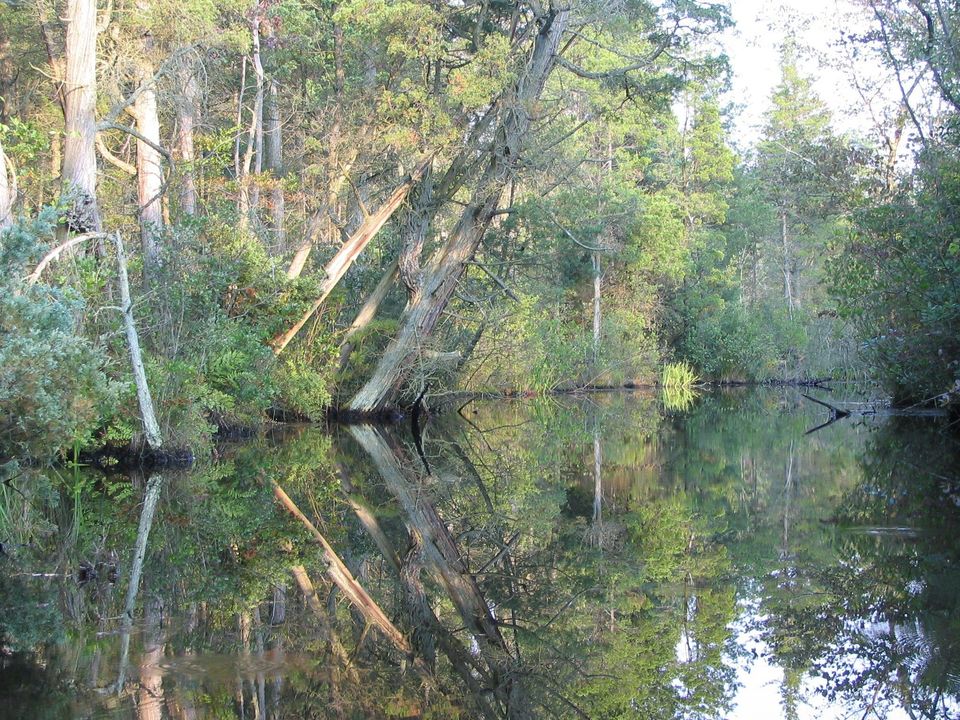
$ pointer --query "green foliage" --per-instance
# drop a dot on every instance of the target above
(678, 375)
(899, 280)
(53, 389)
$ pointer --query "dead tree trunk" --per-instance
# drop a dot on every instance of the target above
(341, 262)
(149, 169)
(151, 427)
(368, 311)
(79, 173)
(8, 191)
(249, 195)
(273, 162)
(187, 111)
(440, 277)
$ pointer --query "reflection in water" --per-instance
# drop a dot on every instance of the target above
(588, 558)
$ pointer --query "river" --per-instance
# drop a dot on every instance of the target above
(605, 556)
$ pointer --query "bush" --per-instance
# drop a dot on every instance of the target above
(53, 389)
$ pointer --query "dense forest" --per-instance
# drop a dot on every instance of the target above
(220, 212)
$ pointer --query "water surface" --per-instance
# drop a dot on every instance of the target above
(600, 557)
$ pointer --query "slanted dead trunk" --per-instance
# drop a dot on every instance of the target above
(79, 172)
(368, 312)
(341, 262)
(150, 425)
(440, 277)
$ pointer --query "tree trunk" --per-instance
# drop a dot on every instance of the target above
(187, 110)
(415, 232)
(440, 277)
(149, 170)
(249, 195)
(273, 163)
(79, 173)
(787, 270)
(8, 78)
(368, 311)
(8, 192)
(341, 262)
(597, 319)
(144, 398)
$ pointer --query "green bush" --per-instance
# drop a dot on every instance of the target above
(53, 389)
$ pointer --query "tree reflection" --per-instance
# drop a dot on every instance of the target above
(590, 559)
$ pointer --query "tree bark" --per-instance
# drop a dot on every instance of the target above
(273, 162)
(187, 111)
(144, 398)
(341, 262)
(415, 231)
(440, 277)
(8, 191)
(367, 312)
(787, 270)
(149, 169)
(249, 195)
(597, 318)
(79, 173)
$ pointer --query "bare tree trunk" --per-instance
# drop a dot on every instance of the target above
(79, 174)
(8, 191)
(273, 161)
(8, 78)
(150, 424)
(341, 262)
(149, 169)
(440, 277)
(787, 270)
(597, 281)
(249, 196)
(187, 110)
(415, 232)
(368, 311)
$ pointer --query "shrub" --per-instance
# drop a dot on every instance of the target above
(53, 390)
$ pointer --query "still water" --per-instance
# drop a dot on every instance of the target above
(607, 556)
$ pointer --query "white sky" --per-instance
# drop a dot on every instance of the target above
(753, 48)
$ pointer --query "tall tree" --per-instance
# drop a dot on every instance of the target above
(79, 174)
(793, 159)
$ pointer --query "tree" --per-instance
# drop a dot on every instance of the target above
(792, 160)
(79, 96)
